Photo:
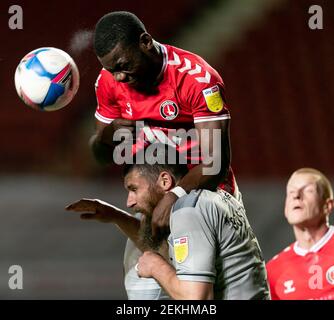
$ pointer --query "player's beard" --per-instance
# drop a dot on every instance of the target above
(145, 235)
(145, 231)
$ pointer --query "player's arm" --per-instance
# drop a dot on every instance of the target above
(108, 120)
(101, 151)
(194, 272)
(104, 140)
(152, 265)
(94, 209)
(214, 138)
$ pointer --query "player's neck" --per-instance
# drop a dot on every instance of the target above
(308, 236)
(159, 60)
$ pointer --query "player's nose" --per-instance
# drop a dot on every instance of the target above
(297, 194)
(120, 76)
(130, 202)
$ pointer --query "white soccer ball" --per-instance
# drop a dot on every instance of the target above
(47, 79)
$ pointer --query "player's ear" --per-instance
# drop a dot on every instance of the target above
(146, 41)
(328, 206)
(165, 181)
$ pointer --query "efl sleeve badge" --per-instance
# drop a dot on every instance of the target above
(213, 99)
(181, 249)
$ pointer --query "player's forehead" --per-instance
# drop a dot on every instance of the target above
(120, 54)
(134, 178)
(301, 180)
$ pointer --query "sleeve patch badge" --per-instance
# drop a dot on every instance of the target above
(213, 99)
(181, 249)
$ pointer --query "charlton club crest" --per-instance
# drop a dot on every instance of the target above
(169, 110)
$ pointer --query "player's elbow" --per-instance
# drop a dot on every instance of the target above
(197, 296)
(190, 290)
(216, 166)
(214, 174)
(103, 153)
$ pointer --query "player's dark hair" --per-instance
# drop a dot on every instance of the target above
(116, 27)
(153, 164)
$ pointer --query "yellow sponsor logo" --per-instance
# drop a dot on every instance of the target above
(213, 99)
(181, 249)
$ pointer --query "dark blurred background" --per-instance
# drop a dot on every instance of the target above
(279, 77)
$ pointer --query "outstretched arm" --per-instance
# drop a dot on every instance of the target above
(95, 209)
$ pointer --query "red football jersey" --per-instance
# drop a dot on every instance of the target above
(299, 274)
(191, 91)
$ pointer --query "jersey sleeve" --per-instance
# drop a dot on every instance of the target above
(193, 246)
(205, 95)
(107, 110)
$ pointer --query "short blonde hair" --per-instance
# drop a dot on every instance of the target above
(324, 186)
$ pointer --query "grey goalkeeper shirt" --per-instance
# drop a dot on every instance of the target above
(211, 241)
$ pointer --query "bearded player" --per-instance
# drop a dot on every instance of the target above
(170, 89)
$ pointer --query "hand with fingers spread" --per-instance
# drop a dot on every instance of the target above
(95, 209)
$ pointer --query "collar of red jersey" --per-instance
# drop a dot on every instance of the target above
(316, 247)
(163, 50)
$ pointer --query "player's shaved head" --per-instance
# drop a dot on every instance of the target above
(324, 186)
(117, 27)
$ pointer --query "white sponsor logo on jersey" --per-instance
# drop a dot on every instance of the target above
(289, 286)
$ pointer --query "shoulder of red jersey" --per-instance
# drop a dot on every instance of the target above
(192, 64)
(283, 256)
(104, 78)
(105, 86)
(198, 84)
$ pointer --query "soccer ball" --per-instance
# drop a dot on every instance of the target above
(47, 79)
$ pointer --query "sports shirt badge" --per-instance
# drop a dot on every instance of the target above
(181, 249)
(213, 99)
(169, 110)
(330, 275)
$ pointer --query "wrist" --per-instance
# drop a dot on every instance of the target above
(178, 191)
(158, 264)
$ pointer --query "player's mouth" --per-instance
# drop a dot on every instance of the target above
(133, 82)
(132, 79)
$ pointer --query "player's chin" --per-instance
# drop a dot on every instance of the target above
(136, 86)
(144, 211)
(141, 85)
(296, 221)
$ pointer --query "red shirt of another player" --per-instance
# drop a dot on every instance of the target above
(298, 274)
(190, 91)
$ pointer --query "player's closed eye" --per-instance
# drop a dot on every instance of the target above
(291, 193)
(310, 190)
